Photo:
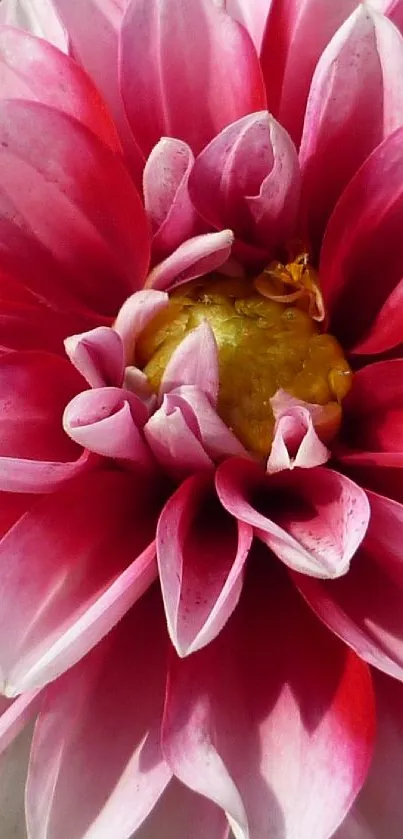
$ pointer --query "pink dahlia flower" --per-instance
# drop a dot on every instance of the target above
(201, 391)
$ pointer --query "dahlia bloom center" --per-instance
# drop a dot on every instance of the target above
(264, 345)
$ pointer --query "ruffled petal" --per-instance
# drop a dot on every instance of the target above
(165, 72)
(314, 521)
(361, 258)
(67, 203)
(96, 766)
(355, 92)
(82, 557)
(37, 17)
(194, 362)
(194, 258)
(32, 69)
(247, 179)
(274, 676)
(201, 555)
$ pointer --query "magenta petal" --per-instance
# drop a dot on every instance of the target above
(165, 73)
(201, 556)
(363, 608)
(355, 92)
(314, 521)
(37, 17)
(172, 436)
(98, 356)
(32, 69)
(96, 235)
(181, 813)
(194, 362)
(108, 421)
(100, 722)
(247, 179)
(82, 556)
(363, 233)
(199, 255)
(387, 330)
(18, 713)
(274, 720)
(135, 314)
(166, 196)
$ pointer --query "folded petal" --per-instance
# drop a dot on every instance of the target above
(274, 720)
(182, 813)
(199, 255)
(135, 314)
(87, 775)
(201, 555)
(314, 521)
(362, 234)
(166, 196)
(37, 17)
(363, 608)
(297, 31)
(247, 179)
(98, 356)
(217, 439)
(194, 362)
(32, 69)
(354, 92)
(96, 233)
(165, 73)
(172, 434)
(82, 557)
(295, 442)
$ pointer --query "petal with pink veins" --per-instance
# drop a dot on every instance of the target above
(136, 313)
(98, 356)
(34, 70)
(37, 17)
(201, 556)
(194, 258)
(172, 434)
(363, 608)
(354, 92)
(247, 179)
(165, 73)
(166, 196)
(93, 36)
(274, 720)
(361, 257)
(297, 32)
(313, 521)
(96, 233)
(82, 556)
(194, 362)
(182, 814)
(96, 766)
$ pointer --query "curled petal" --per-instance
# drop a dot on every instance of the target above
(135, 314)
(98, 356)
(354, 92)
(172, 437)
(199, 255)
(164, 73)
(314, 521)
(217, 439)
(194, 362)
(247, 179)
(201, 554)
(166, 196)
(296, 443)
(37, 17)
(32, 69)
(108, 421)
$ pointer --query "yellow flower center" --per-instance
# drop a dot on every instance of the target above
(264, 344)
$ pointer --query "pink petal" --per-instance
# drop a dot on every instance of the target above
(363, 608)
(37, 17)
(201, 556)
(354, 92)
(93, 35)
(166, 196)
(194, 362)
(217, 439)
(387, 330)
(297, 31)
(34, 70)
(165, 73)
(194, 258)
(82, 557)
(96, 235)
(98, 356)
(89, 776)
(137, 311)
(296, 443)
(363, 233)
(16, 716)
(247, 179)
(273, 725)
(252, 14)
(314, 521)
(108, 421)
(181, 813)
(172, 437)
(373, 413)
